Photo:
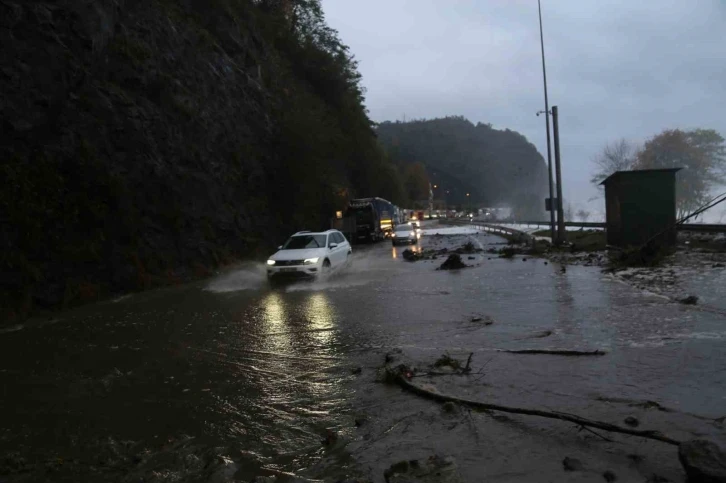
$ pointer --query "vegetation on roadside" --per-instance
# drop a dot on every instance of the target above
(162, 139)
(580, 240)
(646, 256)
(701, 153)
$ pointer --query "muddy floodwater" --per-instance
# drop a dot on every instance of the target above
(230, 379)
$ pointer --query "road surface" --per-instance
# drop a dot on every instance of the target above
(229, 379)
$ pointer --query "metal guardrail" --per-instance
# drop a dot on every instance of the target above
(492, 228)
(496, 228)
(702, 228)
(691, 227)
(575, 224)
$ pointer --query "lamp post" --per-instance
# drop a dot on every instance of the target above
(547, 123)
(561, 236)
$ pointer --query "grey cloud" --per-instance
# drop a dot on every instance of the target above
(616, 68)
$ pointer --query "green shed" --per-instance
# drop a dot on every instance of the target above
(639, 205)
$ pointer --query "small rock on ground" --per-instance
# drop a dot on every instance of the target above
(609, 476)
(704, 461)
(436, 469)
(449, 407)
(360, 420)
(690, 300)
(572, 464)
(632, 422)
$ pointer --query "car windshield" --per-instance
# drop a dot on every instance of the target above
(404, 228)
(304, 241)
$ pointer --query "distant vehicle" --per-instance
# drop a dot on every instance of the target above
(308, 254)
(374, 218)
(405, 234)
(416, 227)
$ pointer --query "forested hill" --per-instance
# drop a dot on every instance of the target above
(144, 142)
(494, 166)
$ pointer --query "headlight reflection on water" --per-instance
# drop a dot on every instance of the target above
(290, 327)
(275, 318)
(300, 335)
(320, 313)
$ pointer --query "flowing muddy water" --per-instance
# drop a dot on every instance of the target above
(230, 379)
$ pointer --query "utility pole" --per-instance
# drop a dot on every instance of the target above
(558, 174)
(547, 122)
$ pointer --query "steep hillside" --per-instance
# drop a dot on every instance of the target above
(144, 142)
(493, 166)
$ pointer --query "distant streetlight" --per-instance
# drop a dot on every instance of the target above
(436, 186)
(547, 122)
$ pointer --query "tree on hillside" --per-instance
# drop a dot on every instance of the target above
(700, 153)
(493, 166)
(619, 155)
(390, 184)
(583, 215)
(326, 139)
(568, 212)
(416, 181)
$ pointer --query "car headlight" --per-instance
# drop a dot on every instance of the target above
(413, 233)
(311, 261)
(270, 262)
(393, 235)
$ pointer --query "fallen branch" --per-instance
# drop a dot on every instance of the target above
(596, 434)
(467, 369)
(435, 374)
(554, 352)
(397, 375)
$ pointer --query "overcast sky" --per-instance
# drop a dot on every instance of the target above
(615, 68)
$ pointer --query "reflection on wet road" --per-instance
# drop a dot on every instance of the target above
(231, 367)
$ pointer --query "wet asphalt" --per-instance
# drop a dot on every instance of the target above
(229, 379)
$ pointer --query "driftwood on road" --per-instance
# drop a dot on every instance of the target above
(555, 352)
(401, 376)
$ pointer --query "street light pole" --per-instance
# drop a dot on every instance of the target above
(547, 122)
(558, 176)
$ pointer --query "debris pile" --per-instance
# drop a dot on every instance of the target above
(411, 256)
(690, 300)
(453, 263)
(703, 461)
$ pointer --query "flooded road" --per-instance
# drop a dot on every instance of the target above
(229, 379)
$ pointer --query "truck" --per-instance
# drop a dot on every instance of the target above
(374, 218)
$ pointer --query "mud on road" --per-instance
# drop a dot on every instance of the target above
(229, 379)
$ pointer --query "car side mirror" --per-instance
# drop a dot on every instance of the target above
(333, 245)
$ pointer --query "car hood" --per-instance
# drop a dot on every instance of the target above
(298, 254)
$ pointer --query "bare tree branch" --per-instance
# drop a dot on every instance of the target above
(619, 155)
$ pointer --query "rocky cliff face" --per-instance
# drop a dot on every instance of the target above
(135, 136)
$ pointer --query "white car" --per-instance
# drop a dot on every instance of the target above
(309, 254)
(405, 233)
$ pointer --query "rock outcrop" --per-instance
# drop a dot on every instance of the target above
(144, 142)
